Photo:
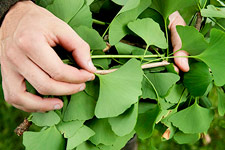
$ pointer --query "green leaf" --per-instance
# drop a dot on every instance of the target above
(89, 2)
(92, 88)
(83, 17)
(125, 123)
(167, 7)
(126, 49)
(120, 2)
(87, 146)
(82, 135)
(119, 143)
(163, 82)
(148, 90)
(130, 4)
(81, 107)
(213, 11)
(182, 138)
(65, 11)
(45, 119)
(124, 88)
(221, 102)
(92, 37)
(69, 128)
(149, 31)
(194, 119)
(146, 123)
(104, 134)
(118, 28)
(176, 93)
(197, 79)
(214, 56)
(102, 63)
(44, 140)
(195, 45)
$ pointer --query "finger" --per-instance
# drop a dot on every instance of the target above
(182, 63)
(35, 103)
(71, 41)
(47, 59)
(176, 19)
(43, 83)
(15, 94)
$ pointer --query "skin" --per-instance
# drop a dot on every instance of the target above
(27, 36)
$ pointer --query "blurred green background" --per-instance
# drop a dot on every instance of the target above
(10, 118)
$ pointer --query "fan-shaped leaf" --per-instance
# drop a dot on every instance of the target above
(194, 119)
(214, 56)
(45, 119)
(124, 88)
(149, 31)
(197, 79)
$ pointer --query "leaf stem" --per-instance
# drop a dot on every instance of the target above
(95, 21)
(124, 56)
(146, 49)
(167, 37)
(145, 66)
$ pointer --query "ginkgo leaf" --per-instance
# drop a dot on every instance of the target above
(82, 135)
(125, 123)
(195, 45)
(177, 93)
(45, 119)
(213, 11)
(197, 79)
(182, 138)
(44, 140)
(82, 18)
(194, 119)
(221, 102)
(149, 31)
(163, 82)
(80, 107)
(124, 88)
(69, 128)
(130, 4)
(214, 56)
(167, 7)
(146, 123)
(104, 134)
(120, 2)
(118, 28)
(87, 146)
(65, 11)
(92, 37)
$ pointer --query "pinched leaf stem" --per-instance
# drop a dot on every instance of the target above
(145, 66)
(125, 56)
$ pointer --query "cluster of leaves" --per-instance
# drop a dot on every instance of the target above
(131, 100)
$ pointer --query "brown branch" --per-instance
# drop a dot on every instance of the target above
(24, 126)
(146, 66)
(198, 21)
(108, 46)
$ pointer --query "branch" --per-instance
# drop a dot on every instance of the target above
(146, 66)
(198, 21)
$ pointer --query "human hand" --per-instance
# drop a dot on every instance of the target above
(182, 63)
(27, 36)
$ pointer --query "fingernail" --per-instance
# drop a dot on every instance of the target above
(91, 65)
(57, 106)
(91, 78)
(82, 87)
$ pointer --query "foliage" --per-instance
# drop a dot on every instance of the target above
(134, 100)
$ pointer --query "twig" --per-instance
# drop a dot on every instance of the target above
(24, 126)
(198, 21)
(145, 66)
(108, 46)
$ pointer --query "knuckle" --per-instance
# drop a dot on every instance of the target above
(43, 90)
(57, 74)
(86, 46)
